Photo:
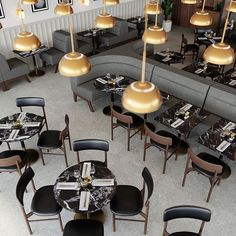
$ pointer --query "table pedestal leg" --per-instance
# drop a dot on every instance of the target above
(98, 215)
(149, 124)
(107, 109)
(36, 71)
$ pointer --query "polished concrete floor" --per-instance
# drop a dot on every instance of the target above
(126, 166)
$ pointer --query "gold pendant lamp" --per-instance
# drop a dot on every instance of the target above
(63, 9)
(154, 34)
(142, 96)
(105, 20)
(73, 64)
(232, 8)
(220, 53)
(201, 18)
(189, 1)
(111, 2)
(25, 41)
(152, 8)
(29, 1)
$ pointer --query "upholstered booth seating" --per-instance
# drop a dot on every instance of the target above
(83, 86)
(12, 69)
(121, 32)
(61, 45)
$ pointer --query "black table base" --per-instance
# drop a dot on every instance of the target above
(98, 215)
(32, 155)
(107, 110)
(36, 73)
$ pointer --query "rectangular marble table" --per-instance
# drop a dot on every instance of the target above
(182, 117)
(219, 133)
(229, 78)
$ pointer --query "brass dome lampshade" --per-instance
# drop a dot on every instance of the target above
(201, 18)
(73, 64)
(29, 1)
(105, 21)
(111, 2)
(154, 34)
(25, 41)
(232, 8)
(220, 53)
(142, 96)
(189, 1)
(152, 8)
(63, 9)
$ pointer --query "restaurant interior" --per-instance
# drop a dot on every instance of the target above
(117, 117)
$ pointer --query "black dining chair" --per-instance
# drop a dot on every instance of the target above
(130, 201)
(128, 121)
(84, 228)
(43, 202)
(185, 211)
(209, 166)
(91, 144)
(33, 102)
(189, 49)
(55, 139)
(164, 141)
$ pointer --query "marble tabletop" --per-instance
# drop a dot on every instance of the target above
(100, 196)
(30, 125)
(168, 57)
(188, 118)
(229, 78)
(213, 137)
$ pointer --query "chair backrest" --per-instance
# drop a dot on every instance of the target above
(61, 40)
(33, 102)
(121, 117)
(24, 180)
(185, 211)
(10, 161)
(65, 132)
(167, 141)
(214, 168)
(148, 180)
(91, 144)
(184, 41)
(120, 28)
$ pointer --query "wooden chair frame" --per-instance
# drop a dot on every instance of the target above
(64, 135)
(11, 161)
(216, 169)
(161, 140)
(126, 119)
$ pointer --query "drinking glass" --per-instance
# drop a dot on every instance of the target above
(76, 174)
(92, 170)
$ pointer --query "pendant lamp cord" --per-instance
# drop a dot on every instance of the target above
(226, 22)
(144, 54)
(203, 5)
(71, 30)
(156, 18)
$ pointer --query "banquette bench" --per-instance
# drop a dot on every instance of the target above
(207, 94)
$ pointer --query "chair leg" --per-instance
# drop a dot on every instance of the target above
(184, 178)
(114, 222)
(145, 224)
(165, 161)
(90, 106)
(69, 142)
(41, 155)
(8, 145)
(65, 155)
(176, 155)
(128, 148)
(26, 220)
(75, 97)
(210, 191)
(60, 221)
(56, 68)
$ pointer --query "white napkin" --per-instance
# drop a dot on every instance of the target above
(217, 37)
(232, 82)
(166, 59)
(103, 182)
(31, 124)
(86, 169)
(223, 146)
(5, 126)
(177, 123)
(186, 107)
(229, 126)
(21, 116)
(13, 134)
(198, 71)
(67, 185)
(88, 34)
(233, 74)
(22, 137)
(84, 200)
(101, 80)
(118, 79)
(202, 38)
(212, 41)
(162, 54)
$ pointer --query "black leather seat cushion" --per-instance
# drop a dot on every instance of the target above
(50, 138)
(127, 201)
(175, 140)
(44, 203)
(9, 153)
(83, 228)
(211, 159)
(184, 234)
(137, 121)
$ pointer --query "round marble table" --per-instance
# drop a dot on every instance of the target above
(100, 196)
